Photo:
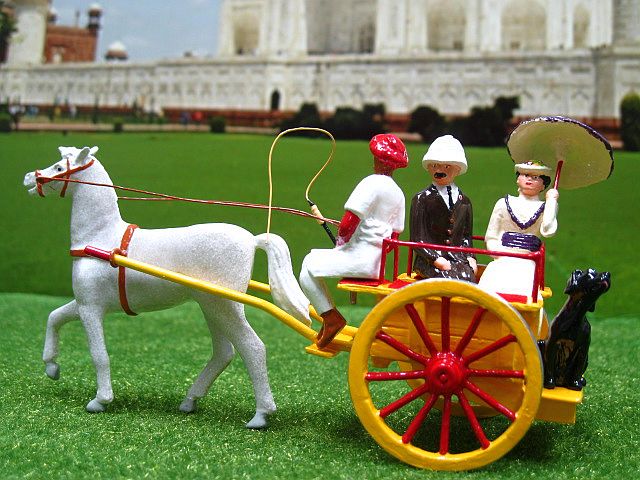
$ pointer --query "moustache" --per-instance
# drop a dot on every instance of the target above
(440, 175)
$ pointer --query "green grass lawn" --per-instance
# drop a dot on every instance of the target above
(597, 224)
(44, 430)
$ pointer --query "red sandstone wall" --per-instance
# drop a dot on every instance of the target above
(72, 44)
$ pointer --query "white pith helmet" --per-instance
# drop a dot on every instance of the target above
(446, 149)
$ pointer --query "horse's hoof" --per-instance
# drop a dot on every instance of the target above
(258, 422)
(94, 406)
(53, 370)
(188, 405)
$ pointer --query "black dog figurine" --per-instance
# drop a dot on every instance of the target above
(566, 348)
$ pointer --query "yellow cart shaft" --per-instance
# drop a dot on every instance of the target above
(207, 287)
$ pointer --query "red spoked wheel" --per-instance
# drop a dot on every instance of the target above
(446, 344)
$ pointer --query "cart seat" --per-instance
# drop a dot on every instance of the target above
(524, 299)
(510, 297)
(372, 285)
(367, 282)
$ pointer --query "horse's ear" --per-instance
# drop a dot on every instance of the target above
(82, 157)
(93, 150)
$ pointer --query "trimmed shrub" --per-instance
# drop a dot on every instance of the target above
(5, 123)
(630, 121)
(427, 122)
(346, 123)
(506, 106)
(373, 119)
(374, 111)
(351, 124)
(217, 124)
(118, 125)
(95, 114)
(486, 126)
(307, 116)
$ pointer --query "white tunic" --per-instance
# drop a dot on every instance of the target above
(380, 205)
(507, 274)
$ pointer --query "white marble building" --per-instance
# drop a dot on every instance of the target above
(572, 57)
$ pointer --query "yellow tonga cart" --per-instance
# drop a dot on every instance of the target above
(442, 374)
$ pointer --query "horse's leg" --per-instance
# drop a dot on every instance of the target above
(92, 317)
(57, 319)
(222, 355)
(230, 319)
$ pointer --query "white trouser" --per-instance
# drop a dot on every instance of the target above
(359, 260)
(314, 287)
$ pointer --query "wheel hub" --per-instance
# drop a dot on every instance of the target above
(445, 374)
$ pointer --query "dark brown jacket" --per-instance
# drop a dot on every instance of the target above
(431, 221)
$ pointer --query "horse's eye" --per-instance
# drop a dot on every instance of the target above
(58, 168)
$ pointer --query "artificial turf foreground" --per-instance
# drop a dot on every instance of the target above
(45, 431)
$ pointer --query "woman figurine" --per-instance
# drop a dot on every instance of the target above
(516, 225)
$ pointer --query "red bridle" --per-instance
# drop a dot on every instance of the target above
(60, 177)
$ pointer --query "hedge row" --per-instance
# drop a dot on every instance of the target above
(485, 126)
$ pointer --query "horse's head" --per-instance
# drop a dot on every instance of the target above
(52, 179)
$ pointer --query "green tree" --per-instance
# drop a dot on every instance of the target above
(7, 27)
(486, 126)
(307, 116)
(630, 121)
(427, 122)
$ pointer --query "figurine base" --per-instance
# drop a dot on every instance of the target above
(559, 405)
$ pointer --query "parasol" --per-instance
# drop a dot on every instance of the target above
(563, 144)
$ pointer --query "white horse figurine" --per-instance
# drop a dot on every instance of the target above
(222, 254)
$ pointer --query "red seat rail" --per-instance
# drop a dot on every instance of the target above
(390, 245)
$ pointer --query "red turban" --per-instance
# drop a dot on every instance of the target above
(390, 150)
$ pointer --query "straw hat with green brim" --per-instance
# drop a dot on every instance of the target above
(533, 168)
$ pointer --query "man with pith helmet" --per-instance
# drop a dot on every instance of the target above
(441, 214)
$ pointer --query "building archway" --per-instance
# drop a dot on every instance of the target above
(275, 100)
(366, 37)
(524, 25)
(446, 25)
(581, 24)
(246, 33)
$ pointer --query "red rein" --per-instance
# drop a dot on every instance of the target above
(65, 177)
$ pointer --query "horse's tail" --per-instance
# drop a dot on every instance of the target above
(285, 290)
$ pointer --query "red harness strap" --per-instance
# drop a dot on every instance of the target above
(124, 246)
(122, 280)
(63, 177)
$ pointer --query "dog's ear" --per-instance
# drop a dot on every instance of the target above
(572, 283)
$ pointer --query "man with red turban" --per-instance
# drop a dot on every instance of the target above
(374, 211)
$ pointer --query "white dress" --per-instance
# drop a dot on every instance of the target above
(515, 275)
(380, 205)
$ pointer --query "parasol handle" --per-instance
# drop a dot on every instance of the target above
(558, 170)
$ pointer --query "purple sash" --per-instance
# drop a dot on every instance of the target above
(521, 240)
